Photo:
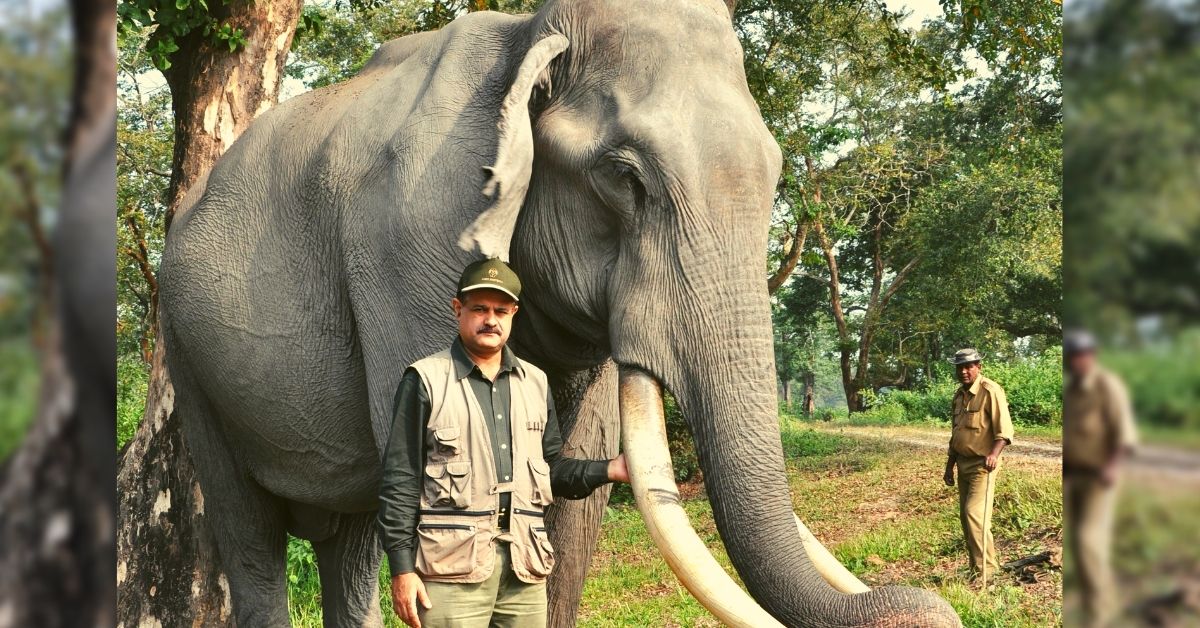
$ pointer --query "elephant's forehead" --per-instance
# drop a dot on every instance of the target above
(656, 39)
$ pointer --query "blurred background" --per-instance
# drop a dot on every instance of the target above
(35, 61)
(1132, 272)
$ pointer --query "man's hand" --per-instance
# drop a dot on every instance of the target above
(991, 461)
(993, 458)
(617, 470)
(1108, 474)
(407, 589)
(948, 478)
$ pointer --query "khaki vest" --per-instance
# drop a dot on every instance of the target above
(459, 520)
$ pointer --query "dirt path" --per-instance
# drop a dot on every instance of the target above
(1151, 462)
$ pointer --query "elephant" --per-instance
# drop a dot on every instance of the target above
(613, 153)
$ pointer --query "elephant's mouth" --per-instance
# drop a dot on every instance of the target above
(644, 440)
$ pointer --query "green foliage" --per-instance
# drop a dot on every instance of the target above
(1033, 386)
(173, 20)
(132, 380)
(1163, 381)
(679, 440)
(1131, 164)
(18, 392)
(35, 77)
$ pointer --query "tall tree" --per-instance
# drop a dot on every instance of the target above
(224, 64)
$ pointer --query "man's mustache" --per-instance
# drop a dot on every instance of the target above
(488, 330)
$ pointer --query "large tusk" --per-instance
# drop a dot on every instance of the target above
(644, 439)
(830, 568)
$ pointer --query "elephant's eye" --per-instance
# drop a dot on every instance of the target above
(617, 179)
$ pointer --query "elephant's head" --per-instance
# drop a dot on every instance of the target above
(633, 184)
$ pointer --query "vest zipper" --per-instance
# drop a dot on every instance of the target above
(459, 513)
(530, 513)
(444, 526)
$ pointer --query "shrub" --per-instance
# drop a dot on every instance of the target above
(679, 440)
(1033, 386)
(132, 380)
(19, 382)
(1163, 381)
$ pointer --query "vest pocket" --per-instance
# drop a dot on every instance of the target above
(532, 551)
(542, 495)
(447, 549)
(446, 439)
(543, 552)
(446, 484)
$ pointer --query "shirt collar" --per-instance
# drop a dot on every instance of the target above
(1087, 382)
(975, 386)
(463, 366)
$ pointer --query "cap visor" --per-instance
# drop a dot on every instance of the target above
(490, 286)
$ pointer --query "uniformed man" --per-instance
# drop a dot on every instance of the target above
(982, 429)
(1098, 432)
(472, 462)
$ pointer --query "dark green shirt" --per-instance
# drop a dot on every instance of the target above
(404, 458)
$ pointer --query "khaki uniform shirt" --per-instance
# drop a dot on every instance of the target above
(1097, 420)
(980, 418)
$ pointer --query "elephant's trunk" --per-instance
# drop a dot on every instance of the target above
(766, 542)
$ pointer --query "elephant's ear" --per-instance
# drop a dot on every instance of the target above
(509, 177)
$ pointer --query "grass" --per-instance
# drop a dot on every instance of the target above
(881, 508)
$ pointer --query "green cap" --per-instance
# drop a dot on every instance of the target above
(966, 356)
(490, 273)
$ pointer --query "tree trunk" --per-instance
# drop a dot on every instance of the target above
(809, 396)
(168, 568)
(56, 499)
(215, 94)
(845, 347)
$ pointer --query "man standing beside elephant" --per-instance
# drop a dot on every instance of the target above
(471, 463)
(982, 429)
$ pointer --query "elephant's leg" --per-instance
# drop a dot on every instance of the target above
(247, 522)
(348, 563)
(587, 404)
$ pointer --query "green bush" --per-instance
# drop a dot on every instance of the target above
(1033, 387)
(679, 439)
(18, 392)
(1163, 381)
(132, 381)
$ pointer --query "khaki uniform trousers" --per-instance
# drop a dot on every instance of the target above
(976, 491)
(1088, 507)
(501, 601)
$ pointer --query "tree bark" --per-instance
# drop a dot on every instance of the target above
(839, 318)
(790, 259)
(168, 568)
(809, 396)
(215, 94)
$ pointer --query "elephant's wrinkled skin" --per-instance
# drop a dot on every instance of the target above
(319, 257)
